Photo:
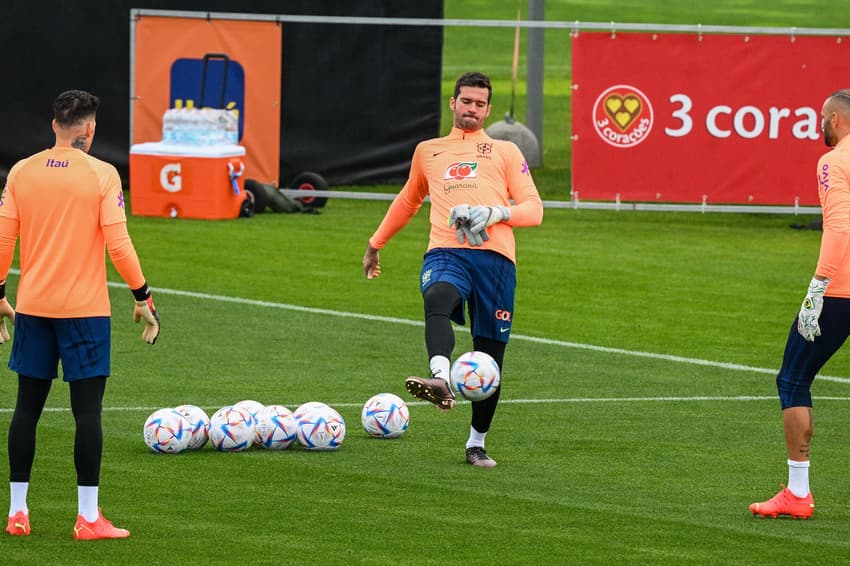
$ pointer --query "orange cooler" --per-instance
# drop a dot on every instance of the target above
(179, 181)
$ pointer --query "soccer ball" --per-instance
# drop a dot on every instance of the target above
(385, 416)
(275, 428)
(321, 429)
(167, 431)
(200, 425)
(305, 408)
(231, 429)
(253, 407)
(475, 375)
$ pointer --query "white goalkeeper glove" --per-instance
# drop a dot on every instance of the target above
(807, 320)
(6, 311)
(459, 219)
(145, 311)
(481, 217)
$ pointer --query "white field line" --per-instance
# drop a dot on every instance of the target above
(574, 400)
(561, 343)
(408, 322)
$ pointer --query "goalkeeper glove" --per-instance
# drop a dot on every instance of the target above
(459, 219)
(807, 320)
(6, 311)
(145, 311)
(480, 217)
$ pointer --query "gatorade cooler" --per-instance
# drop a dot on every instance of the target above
(180, 181)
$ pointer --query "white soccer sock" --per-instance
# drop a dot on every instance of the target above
(440, 367)
(798, 477)
(18, 493)
(87, 502)
(475, 438)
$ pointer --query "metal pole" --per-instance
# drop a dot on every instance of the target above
(534, 74)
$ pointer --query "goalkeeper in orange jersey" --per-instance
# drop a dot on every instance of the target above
(480, 188)
(823, 322)
(67, 207)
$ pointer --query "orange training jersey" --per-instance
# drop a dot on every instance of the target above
(59, 200)
(465, 168)
(834, 191)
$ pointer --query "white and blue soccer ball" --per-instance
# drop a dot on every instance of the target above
(199, 422)
(475, 375)
(167, 431)
(231, 429)
(275, 428)
(253, 407)
(305, 408)
(321, 428)
(385, 415)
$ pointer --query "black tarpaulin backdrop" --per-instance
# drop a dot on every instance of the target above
(356, 98)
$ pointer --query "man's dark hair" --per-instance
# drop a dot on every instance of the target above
(73, 106)
(474, 79)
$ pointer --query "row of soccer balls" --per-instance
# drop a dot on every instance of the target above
(234, 428)
(314, 425)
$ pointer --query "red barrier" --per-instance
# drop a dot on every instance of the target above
(692, 118)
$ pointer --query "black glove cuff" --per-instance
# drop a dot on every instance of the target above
(3, 290)
(142, 293)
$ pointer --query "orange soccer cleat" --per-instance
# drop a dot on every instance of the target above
(785, 503)
(18, 525)
(99, 529)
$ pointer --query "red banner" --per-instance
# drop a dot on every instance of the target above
(701, 118)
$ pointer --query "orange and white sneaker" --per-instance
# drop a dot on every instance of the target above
(785, 503)
(99, 529)
(18, 525)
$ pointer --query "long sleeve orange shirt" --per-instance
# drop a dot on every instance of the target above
(465, 168)
(68, 209)
(834, 192)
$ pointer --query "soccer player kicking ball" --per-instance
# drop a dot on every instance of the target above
(68, 209)
(471, 180)
(823, 323)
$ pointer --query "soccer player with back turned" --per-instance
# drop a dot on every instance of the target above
(471, 180)
(823, 322)
(68, 208)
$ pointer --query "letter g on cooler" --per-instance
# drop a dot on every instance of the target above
(169, 177)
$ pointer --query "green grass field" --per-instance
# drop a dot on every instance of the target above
(638, 419)
(639, 416)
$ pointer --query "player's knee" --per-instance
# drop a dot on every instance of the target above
(441, 298)
(793, 393)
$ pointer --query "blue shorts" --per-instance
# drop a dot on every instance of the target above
(486, 282)
(803, 359)
(82, 344)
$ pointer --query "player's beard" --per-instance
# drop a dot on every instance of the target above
(829, 136)
(468, 123)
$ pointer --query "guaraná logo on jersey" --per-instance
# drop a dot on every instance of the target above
(622, 116)
(461, 170)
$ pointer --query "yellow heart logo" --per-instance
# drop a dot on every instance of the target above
(623, 110)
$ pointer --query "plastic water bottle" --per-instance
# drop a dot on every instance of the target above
(168, 126)
(193, 127)
(179, 125)
(231, 129)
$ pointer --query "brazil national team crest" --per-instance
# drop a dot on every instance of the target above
(622, 116)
